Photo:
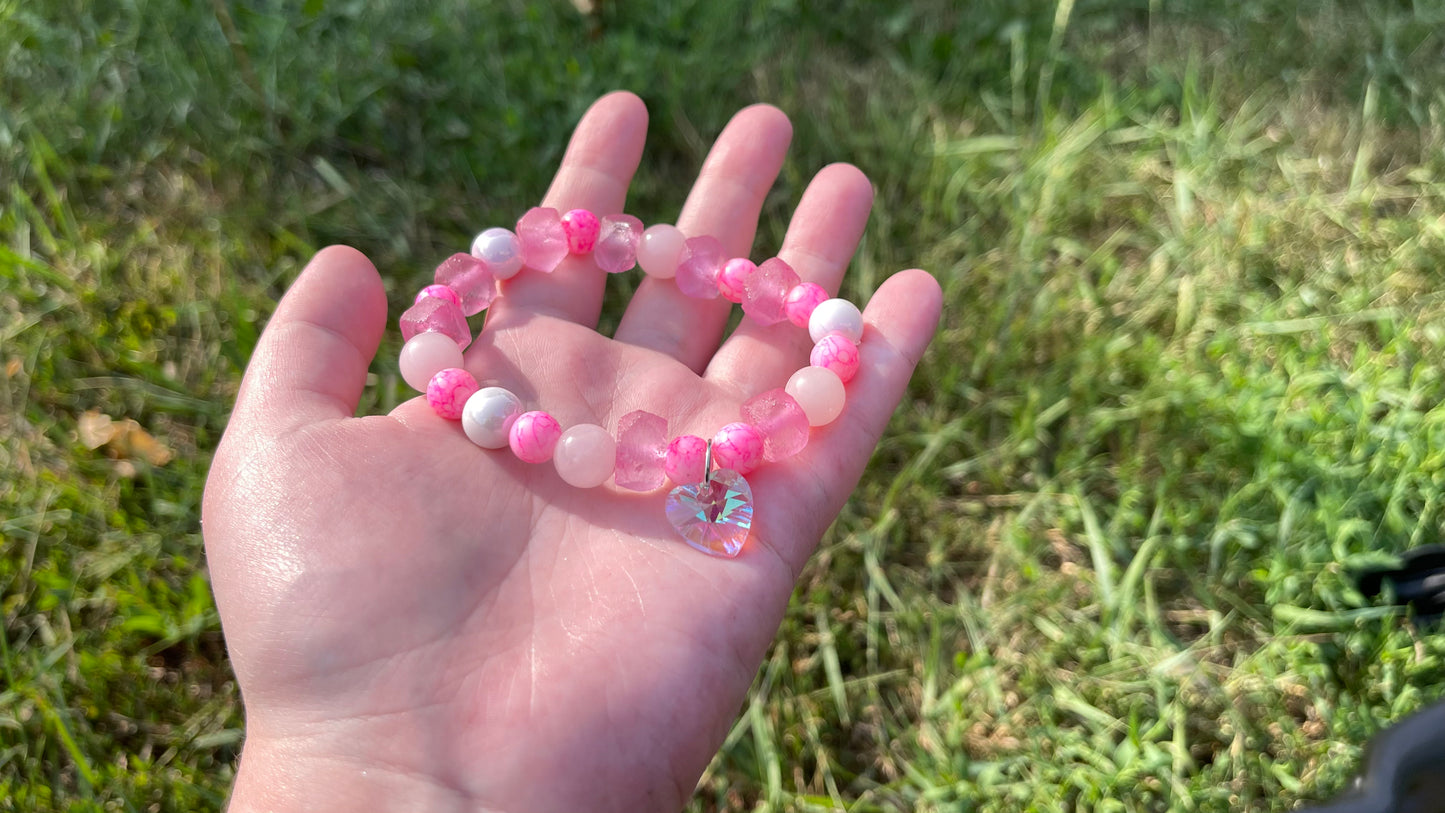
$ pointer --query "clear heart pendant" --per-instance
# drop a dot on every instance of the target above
(715, 515)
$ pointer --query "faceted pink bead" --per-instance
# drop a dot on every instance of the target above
(585, 455)
(738, 446)
(426, 354)
(436, 315)
(767, 289)
(734, 276)
(543, 239)
(685, 458)
(581, 227)
(802, 301)
(617, 241)
(533, 437)
(470, 279)
(660, 249)
(837, 353)
(699, 266)
(781, 420)
(448, 391)
(439, 291)
(641, 451)
(819, 392)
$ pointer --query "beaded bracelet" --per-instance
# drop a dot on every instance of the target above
(711, 504)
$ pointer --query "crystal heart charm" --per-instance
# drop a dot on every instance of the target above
(713, 516)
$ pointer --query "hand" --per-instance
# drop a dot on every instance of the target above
(418, 623)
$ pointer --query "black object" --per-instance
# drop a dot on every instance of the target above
(1404, 770)
(1419, 581)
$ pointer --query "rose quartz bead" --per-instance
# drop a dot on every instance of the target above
(738, 446)
(585, 456)
(781, 421)
(440, 292)
(426, 354)
(533, 437)
(801, 302)
(448, 391)
(488, 415)
(471, 280)
(767, 289)
(617, 240)
(733, 277)
(836, 316)
(641, 451)
(835, 352)
(581, 227)
(699, 266)
(685, 458)
(436, 315)
(542, 238)
(819, 391)
(500, 250)
(660, 249)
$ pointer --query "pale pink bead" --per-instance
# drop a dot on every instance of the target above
(448, 391)
(641, 451)
(738, 446)
(801, 302)
(819, 391)
(836, 316)
(733, 277)
(426, 354)
(488, 415)
(440, 292)
(500, 250)
(585, 455)
(533, 437)
(470, 279)
(698, 267)
(767, 289)
(542, 238)
(781, 421)
(837, 353)
(617, 240)
(435, 315)
(685, 458)
(660, 249)
(581, 227)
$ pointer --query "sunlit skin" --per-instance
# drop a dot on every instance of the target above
(421, 624)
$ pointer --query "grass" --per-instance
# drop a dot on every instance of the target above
(1187, 380)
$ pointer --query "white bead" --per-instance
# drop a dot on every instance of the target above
(426, 354)
(836, 316)
(488, 415)
(500, 250)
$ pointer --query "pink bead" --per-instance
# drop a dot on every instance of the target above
(617, 240)
(738, 446)
(533, 437)
(819, 392)
(801, 302)
(836, 316)
(641, 451)
(581, 227)
(448, 391)
(426, 354)
(766, 290)
(585, 455)
(733, 277)
(835, 352)
(435, 315)
(781, 421)
(685, 458)
(500, 250)
(440, 292)
(660, 249)
(699, 266)
(543, 239)
(470, 279)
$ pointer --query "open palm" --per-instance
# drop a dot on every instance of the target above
(418, 623)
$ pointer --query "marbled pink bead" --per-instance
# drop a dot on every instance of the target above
(819, 392)
(543, 239)
(438, 291)
(802, 301)
(641, 451)
(585, 455)
(685, 458)
(660, 249)
(767, 289)
(733, 277)
(617, 240)
(837, 353)
(533, 437)
(426, 354)
(435, 315)
(448, 391)
(738, 446)
(699, 266)
(781, 421)
(470, 279)
(581, 227)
